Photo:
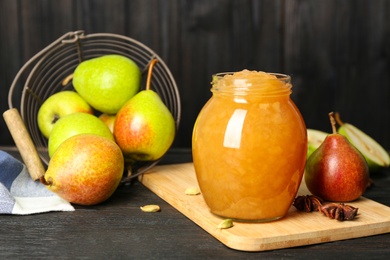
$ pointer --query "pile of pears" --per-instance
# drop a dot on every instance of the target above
(103, 126)
(338, 164)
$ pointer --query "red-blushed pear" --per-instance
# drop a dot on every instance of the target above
(86, 169)
(58, 105)
(109, 120)
(336, 171)
(144, 127)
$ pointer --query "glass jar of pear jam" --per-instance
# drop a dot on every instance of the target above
(249, 146)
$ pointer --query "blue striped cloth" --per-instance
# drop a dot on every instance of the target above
(20, 195)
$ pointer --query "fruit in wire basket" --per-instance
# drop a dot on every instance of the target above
(73, 124)
(109, 120)
(144, 127)
(58, 105)
(107, 82)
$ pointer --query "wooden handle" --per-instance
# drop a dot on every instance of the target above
(24, 143)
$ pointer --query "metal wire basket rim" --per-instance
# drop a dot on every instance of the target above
(74, 36)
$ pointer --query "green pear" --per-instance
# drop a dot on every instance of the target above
(73, 124)
(86, 169)
(376, 156)
(314, 140)
(58, 105)
(336, 171)
(107, 82)
(144, 127)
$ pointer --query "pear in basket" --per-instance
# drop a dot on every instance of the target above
(58, 105)
(107, 82)
(73, 124)
(144, 127)
(109, 120)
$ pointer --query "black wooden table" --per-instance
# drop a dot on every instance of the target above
(118, 229)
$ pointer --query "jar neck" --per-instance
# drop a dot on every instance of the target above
(268, 85)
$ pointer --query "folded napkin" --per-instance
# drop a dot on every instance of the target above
(20, 195)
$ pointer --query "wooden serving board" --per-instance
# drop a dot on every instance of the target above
(296, 229)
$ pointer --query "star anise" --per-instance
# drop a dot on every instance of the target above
(308, 203)
(339, 211)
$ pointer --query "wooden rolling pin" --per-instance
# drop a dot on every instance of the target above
(24, 143)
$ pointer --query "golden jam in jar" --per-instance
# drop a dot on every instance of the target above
(249, 146)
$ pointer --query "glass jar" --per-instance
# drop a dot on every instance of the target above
(249, 146)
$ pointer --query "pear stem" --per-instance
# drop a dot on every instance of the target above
(333, 123)
(150, 72)
(43, 181)
(338, 120)
(67, 80)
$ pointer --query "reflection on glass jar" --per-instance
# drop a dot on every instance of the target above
(249, 146)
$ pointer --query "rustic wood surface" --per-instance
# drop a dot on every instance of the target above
(297, 228)
(337, 51)
(118, 229)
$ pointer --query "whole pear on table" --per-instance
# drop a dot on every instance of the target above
(376, 156)
(336, 171)
(86, 169)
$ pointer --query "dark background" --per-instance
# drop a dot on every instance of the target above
(337, 51)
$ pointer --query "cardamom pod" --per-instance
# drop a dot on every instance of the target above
(192, 191)
(150, 208)
(226, 223)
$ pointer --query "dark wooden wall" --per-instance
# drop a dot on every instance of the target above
(337, 51)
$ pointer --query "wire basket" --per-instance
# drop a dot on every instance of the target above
(46, 73)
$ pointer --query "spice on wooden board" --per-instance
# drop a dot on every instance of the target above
(192, 191)
(338, 211)
(226, 223)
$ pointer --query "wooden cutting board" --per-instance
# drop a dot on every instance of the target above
(296, 229)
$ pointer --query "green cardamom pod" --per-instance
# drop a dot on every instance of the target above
(226, 223)
(192, 191)
(150, 208)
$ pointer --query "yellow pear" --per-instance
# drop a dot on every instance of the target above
(86, 169)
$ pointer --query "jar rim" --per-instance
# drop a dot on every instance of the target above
(243, 88)
(280, 76)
